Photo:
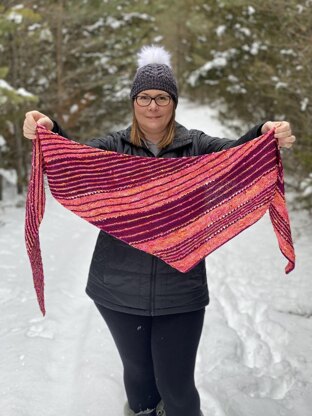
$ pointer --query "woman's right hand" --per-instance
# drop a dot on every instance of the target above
(32, 118)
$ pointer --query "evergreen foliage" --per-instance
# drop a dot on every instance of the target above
(75, 61)
(254, 60)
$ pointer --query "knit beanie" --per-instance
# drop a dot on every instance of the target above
(154, 72)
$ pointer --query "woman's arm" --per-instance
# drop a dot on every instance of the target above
(283, 133)
(32, 118)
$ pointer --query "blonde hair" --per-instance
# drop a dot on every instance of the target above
(137, 135)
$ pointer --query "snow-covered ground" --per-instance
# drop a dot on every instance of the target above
(255, 355)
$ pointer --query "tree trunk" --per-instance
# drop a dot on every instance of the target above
(59, 58)
(1, 179)
(19, 158)
(17, 135)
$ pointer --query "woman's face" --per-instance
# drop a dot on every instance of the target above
(153, 119)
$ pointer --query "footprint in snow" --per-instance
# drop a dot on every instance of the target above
(41, 331)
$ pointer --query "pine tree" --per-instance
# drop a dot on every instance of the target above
(14, 97)
(92, 62)
(254, 59)
(75, 59)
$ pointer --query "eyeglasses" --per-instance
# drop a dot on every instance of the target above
(145, 100)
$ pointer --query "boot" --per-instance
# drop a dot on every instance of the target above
(130, 412)
(160, 411)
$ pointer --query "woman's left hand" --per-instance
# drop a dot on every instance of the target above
(283, 132)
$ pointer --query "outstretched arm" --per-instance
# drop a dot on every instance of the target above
(283, 133)
(32, 118)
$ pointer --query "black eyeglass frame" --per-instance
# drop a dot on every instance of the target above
(151, 99)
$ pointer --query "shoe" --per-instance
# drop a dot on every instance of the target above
(160, 411)
(130, 412)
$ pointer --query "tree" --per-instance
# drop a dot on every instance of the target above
(92, 55)
(14, 98)
(75, 59)
(254, 59)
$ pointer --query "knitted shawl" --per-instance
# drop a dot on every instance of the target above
(177, 209)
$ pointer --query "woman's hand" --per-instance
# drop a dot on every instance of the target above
(283, 132)
(32, 118)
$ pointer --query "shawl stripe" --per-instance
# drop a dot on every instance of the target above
(178, 209)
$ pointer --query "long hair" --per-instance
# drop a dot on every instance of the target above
(137, 135)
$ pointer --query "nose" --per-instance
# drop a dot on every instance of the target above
(153, 105)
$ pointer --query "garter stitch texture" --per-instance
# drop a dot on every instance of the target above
(178, 209)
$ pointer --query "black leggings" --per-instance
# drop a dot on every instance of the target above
(158, 355)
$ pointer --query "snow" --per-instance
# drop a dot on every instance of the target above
(236, 89)
(304, 103)
(233, 78)
(15, 17)
(306, 186)
(255, 355)
(300, 8)
(254, 48)
(289, 52)
(220, 60)
(96, 25)
(33, 27)
(24, 93)
(281, 85)
(5, 85)
(20, 91)
(244, 30)
(113, 23)
(251, 10)
(220, 30)
(158, 38)
(73, 109)
(128, 17)
(46, 35)
(9, 175)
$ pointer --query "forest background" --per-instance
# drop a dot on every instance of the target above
(75, 61)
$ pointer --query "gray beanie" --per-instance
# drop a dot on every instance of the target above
(154, 72)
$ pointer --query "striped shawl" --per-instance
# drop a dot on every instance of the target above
(178, 209)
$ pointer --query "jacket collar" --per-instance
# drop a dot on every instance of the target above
(182, 138)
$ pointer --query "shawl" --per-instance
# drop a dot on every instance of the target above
(178, 209)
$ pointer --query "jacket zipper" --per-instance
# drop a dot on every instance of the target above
(153, 286)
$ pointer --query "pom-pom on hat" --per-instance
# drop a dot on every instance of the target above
(154, 72)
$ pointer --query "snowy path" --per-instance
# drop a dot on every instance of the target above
(256, 351)
(255, 356)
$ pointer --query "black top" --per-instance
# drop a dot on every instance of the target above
(129, 280)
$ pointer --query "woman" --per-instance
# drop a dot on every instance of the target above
(154, 312)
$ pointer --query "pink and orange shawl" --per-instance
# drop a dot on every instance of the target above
(178, 209)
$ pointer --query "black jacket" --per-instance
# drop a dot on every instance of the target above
(129, 280)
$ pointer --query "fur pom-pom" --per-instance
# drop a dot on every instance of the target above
(153, 55)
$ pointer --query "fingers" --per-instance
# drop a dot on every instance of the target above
(282, 133)
(287, 141)
(29, 127)
(282, 129)
(35, 115)
(32, 118)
